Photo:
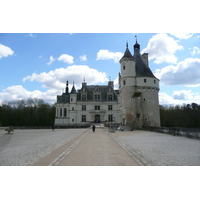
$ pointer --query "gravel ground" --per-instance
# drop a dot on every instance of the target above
(25, 147)
(158, 149)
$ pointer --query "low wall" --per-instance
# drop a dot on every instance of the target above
(175, 131)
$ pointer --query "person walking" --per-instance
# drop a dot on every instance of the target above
(93, 128)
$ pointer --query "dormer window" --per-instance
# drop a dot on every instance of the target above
(97, 97)
(83, 97)
(110, 97)
(97, 89)
(97, 94)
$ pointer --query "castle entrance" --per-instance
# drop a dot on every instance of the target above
(97, 119)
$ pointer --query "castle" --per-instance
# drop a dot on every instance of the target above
(135, 103)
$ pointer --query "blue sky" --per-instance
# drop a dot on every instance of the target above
(38, 65)
(42, 45)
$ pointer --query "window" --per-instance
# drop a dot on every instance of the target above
(144, 99)
(109, 107)
(124, 82)
(97, 96)
(65, 112)
(124, 67)
(61, 112)
(57, 110)
(97, 107)
(83, 118)
(145, 119)
(110, 97)
(110, 118)
(71, 99)
(83, 107)
(72, 120)
(154, 81)
(83, 97)
(72, 108)
(145, 80)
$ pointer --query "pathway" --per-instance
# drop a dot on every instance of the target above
(90, 149)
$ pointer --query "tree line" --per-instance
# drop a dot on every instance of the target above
(30, 112)
(186, 115)
(36, 112)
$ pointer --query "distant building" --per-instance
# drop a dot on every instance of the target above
(135, 103)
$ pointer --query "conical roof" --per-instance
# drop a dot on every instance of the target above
(142, 70)
(73, 91)
(127, 53)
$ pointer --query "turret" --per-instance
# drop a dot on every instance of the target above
(138, 90)
(127, 63)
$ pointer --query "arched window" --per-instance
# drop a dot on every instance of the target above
(65, 112)
(60, 112)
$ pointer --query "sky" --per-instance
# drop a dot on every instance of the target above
(37, 65)
(44, 45)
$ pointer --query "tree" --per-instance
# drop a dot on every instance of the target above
(187, 115)
(30, 112)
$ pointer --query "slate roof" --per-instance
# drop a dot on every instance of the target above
(142, 70)
(127, 53)
(103, 90)
(73, 91)
(64, 98)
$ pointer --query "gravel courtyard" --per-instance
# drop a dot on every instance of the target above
(25, 147)
(156, 149)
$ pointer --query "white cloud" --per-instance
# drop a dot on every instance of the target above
(57, 78)
(179, 98)
(51, 60)
(195, 50)
(164, 98)
(162, 48)
(183, 95)
(17, 92)
(182, 35)
(83, 58)
(5, 51)
(66, 58)
(31, 35)
(108, 55)
(116, 83)
(185, 73)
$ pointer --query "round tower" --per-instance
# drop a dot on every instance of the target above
(138, 88)
(147, 88)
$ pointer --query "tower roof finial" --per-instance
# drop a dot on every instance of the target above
(126, 44)
(136, 46)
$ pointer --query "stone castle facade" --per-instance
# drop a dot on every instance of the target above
(135, 103)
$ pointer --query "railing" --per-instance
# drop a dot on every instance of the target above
(175, 131)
